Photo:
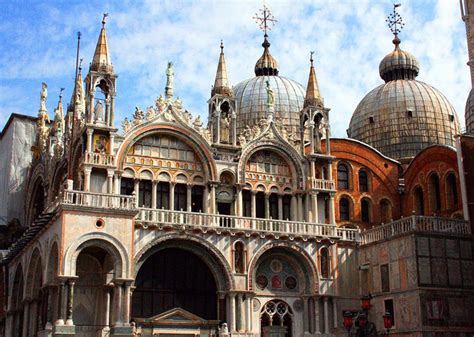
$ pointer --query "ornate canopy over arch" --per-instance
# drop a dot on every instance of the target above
(283, 164)
(190, 151)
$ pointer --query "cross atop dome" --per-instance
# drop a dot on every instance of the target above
(266, 21)
(395, 23)
(266, 65)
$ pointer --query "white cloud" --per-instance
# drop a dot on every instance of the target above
(350, 38)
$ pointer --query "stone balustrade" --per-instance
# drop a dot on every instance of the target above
(323, 185)
(99, 158)
(97, 200)
(156, 217)
(415, 223)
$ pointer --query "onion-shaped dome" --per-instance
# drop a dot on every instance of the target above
(251, 95)
(403, 116)
(399, 64)
(251, 101)
(470, 113)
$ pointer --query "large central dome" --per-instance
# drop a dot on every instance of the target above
(251, 95)
(403, 116)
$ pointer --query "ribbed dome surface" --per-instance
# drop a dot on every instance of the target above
(470, 112)
(251, 99)
(402, 117)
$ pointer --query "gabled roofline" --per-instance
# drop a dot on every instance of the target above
(12, 117)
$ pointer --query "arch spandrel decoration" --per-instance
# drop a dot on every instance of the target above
(205, 250)
(288, 154)
(201, 150)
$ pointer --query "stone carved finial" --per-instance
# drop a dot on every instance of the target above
(138, 116)
(197, 122)
(126, 125)
(43, 97)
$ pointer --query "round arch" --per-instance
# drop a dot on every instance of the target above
(52, 263)
(199, 147)
(288, 153)
(209, 254)
(298, 253)
(102, 240)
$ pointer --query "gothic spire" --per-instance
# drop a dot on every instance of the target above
(221, 83)
(313, 96)
(101, 61)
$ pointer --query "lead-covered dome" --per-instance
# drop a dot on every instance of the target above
(403, 116)
(470, 112)
(251, 95)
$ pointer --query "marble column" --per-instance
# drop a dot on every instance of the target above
(317, 323)
(231, 312)
(306, 314)
(280, 207)
(70, 302)
(334, 312)
(205, 200)
(189, 195)
(112, 110)
(110, 181)
(332, 210)
(26, 310)
(248, 313)
(267, 206)
(126, 302)
(91, 106)
(240, 317)
(89, 140)
(172, 185)
(49, 308)
(118, 304)
(154, 185)
(239, 203)
(326, 315)
(213, 207)
(300, 206)
(117, 183)
(254, 203)
(314, 204)
(60, 304)
(107, 306)
(294, 208)
(87, 179)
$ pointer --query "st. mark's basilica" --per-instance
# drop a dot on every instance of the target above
(256, 224)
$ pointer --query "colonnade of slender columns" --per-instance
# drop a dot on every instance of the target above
(239, 311)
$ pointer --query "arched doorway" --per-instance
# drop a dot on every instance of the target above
(93, 292)
(276, 319)
(174, 278)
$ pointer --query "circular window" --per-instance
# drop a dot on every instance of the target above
(290, 282)
(100, 223)
(262, 281)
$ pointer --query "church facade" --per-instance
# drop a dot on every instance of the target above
(258, 224)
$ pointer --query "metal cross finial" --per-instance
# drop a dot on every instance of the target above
(61, 93)
(80, 63)
(395, 21)
(266, 20)
(311, 57)
(104, 17)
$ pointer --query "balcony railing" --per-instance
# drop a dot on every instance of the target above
(99, 159)
(416, 223)
(161, 217)
(148, 217)
(323, 184)
(97, 200)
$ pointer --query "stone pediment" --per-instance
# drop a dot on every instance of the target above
(175, 316)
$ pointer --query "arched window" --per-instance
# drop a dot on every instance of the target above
(180, 197)
(434, 193)
(385, 211)
(324, 263)
(419, 201)
(344, 209)
(127, 186)
(342, 176)
(247, 203)
(287, 207)
(363, 181)
(144, 193)
(451, 191)
(365, 210)
(239, 258)
(163, 195)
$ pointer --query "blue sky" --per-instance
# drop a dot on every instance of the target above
(350, 37)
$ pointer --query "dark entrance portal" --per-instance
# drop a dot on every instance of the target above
(172, 278)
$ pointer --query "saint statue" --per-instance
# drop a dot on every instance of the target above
(270, 98)
(225, 129)
(43, 96)
(99, 112)
(169, 80)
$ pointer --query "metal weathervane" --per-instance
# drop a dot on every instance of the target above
(265, 19)
(395, 21)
